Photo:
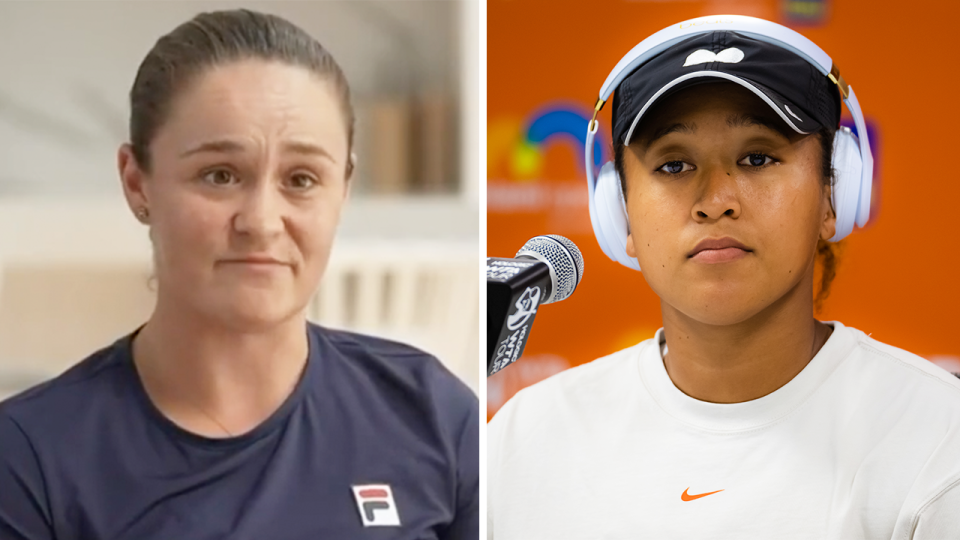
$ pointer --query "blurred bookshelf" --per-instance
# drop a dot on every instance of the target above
(412, 66)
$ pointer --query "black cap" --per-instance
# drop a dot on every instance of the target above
(800, 94)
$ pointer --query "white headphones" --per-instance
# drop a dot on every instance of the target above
(852, 159)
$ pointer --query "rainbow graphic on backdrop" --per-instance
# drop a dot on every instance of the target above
(520, 144)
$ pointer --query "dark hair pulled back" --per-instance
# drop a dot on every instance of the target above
(214, 39)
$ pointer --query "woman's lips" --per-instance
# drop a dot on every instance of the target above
(719, 250)
(722, 255)
(256, 264)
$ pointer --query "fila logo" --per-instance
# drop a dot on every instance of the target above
(376, 506)
(732, 55)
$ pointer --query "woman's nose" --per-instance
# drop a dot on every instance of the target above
(718, 196)
(261, 210)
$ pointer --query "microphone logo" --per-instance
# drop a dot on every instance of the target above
(526, 306)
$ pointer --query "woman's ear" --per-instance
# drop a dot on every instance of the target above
(828, 222)
(133, 180)
(351, 166)
(631, 249)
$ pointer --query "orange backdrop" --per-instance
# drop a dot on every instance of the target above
(897, 279)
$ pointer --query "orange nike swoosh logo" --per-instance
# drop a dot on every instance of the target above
(687, 497)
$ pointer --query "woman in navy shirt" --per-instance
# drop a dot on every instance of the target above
(228, 415)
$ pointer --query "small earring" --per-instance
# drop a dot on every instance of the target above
(142, 214)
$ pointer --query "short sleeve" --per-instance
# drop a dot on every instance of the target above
(940, 519)
(466, 523)
(24, 512)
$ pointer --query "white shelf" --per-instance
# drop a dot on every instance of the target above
(421, 217)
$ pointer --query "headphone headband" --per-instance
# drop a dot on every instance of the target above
(758, 29)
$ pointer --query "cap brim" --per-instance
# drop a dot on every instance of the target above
(789, 113)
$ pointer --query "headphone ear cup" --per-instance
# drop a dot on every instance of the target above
(605, 230)
(848, 173)
(612, 217)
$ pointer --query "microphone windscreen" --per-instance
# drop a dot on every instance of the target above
(562, 257)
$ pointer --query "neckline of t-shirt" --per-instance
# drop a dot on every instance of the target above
(748, 415)
(272, 422)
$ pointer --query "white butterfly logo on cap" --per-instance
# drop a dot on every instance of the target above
(732, 55)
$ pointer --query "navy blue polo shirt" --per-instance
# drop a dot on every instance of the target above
(378, 440)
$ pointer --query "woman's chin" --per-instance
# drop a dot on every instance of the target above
(722, 306)
(253, 314)
(720, 317)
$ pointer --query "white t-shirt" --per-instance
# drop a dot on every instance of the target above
(863, 443)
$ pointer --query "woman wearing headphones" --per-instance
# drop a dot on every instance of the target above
(227, 415)
(745, 417)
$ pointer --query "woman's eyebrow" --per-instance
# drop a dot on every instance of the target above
(227, 146)
(307, 148)
(679, 127)
(221, 146)
(748, 120)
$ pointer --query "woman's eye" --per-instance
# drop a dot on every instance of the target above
(219, 177)
(675, 167)
(302, 181)
(756, 160)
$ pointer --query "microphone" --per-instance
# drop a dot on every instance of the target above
(547, 269)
